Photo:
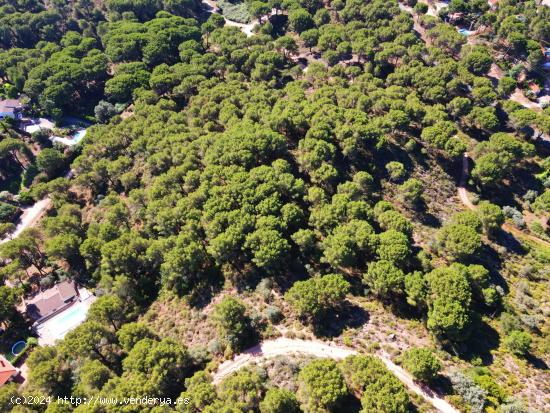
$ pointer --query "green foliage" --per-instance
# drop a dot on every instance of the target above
(468, 219)
(396, 170)
(449, 299)
(131, 333)
(279, 401)
(242, 390)
(378, 388)
(496, 158)
(200, 392)
(421, 363)
(518, 342)
(164, 363)
(491, 216)
(416, 289)
(50, 161)
(459, 241)
(9, 299)
(104, 111)
(233, 323)
(384, 279)
(411, 191)
(477, 60)
(349, 242)
(7, 212)
(299, 20)
(321, 386)
(394, 247)
(394, 220)
(314, 297)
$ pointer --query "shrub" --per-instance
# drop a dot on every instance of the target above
(421, 8)
(7, 212)
(472, 394)
(273, 314)
(396, 170)
(421, 363)
(518, 342)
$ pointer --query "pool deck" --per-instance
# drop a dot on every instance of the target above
(49, 331)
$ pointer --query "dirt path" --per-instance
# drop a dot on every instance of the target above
(284, 346)
(31, 215)
(463, 195)
(462, 192)
(519, 97)
(212, 7)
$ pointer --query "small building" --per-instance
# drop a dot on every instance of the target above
(7, 371)
(10, 108)
(52, 301)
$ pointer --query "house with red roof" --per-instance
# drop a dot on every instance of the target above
(7, 371)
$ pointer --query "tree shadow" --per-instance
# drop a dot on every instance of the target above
(203, 294)
(442, 385)
(482, 339)
(536, 362)
(508, 241)
(279, 22)
(349, 404)
(335, 322)
(422, 215)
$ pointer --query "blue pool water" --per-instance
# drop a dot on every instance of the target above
(78, 135)
(69, 319)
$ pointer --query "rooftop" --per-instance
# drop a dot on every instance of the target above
(9, 105)
(7, 371)
(51, 301)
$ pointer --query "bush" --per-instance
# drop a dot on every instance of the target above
(104, 111)
(515, 215)
(8, 213)
(421, 8)
(472, 394)
(273, 314)
(518, 342)
(422, 364)
(396, 170)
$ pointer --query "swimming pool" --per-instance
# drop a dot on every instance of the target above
(465, 32)
(58, 326)
(78, 135)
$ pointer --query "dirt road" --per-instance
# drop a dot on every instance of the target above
(212, 7)
(31, 215)
(284, 346)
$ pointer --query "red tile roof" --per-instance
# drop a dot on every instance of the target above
(6, 371)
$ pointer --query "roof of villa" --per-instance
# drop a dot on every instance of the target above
(50, 301)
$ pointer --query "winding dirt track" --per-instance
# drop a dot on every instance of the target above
(29, 218)
(284, 346)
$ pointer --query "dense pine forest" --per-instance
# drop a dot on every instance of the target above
(363, 174)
